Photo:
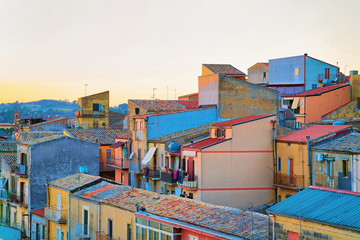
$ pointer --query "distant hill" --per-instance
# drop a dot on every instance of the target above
(45, 108)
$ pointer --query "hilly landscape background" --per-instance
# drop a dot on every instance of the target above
(45, 108)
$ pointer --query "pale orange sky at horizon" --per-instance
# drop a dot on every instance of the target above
(51, 49)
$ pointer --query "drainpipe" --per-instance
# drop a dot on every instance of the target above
(274, 156)
(99, 215)
(308, 159)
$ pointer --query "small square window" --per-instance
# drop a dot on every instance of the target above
(296, 71)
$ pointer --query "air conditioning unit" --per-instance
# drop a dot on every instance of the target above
(319, 157)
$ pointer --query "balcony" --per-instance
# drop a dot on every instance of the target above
(103, 236)
(168, 178)
(189, 182)
(289, 181)
(119, 163)
(322, 77)
(17, 225)
(18, 200)
(89, 113)
(54, 215)
(21, 170)
(135, 166)
(151, 173)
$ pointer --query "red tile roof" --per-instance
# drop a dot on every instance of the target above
(124, 136)
(239, 120)
(157, 105)
(102, 136)
(313, 131)
(224, 69)
(188, 104)
(321, 90)
(197, 146)
(117, 144)
(40, 212)
(265, 63)
(335, 190)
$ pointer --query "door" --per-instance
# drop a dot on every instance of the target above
(22, 187)
(58, 206)
(190, 165)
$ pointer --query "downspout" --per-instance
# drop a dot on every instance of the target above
(308, 159)
(274, 157)
(69, 212)
(99, 216)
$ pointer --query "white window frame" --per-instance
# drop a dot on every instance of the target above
(83, 222)
(191, 237)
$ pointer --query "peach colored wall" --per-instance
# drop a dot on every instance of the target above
(256, 73)
(208, 89)
(227, 169)
(118, 176)
(103, 150)
(185, 235)
(316, 106)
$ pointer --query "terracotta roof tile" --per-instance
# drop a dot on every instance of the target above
(188, 104)
(29, 136)
(226, 69)
(157, 105)
(349, 143)
(313, 131)
(236, 121)
(74, 181)
(197, 146)
(321, 90)
(101, 136)
(40, 212)
(11, 159)
(8, 146)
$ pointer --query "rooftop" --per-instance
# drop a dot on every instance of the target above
(74, 181)
(328, 206)
(226, 69)
(321, 90)
(7, 124)
(101, 136)
(349, 143)
(197, 146)
(40, 212)
(157, 105)
(29, 136)
(181, 133)
(50, 121)
(43, 139)
(223, 219)
(313, 131)
(8, 146)
(11, 159)
(125, 136)
(241, 120)
(188, 104)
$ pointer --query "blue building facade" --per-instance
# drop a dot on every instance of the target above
(159, 125)
(292, 75)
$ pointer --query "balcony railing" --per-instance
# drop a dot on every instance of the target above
(151, 173)
(289, 180)
(322, 77)
(104, 236)
(189, 182)
(104, 167)
(18, 225)
(168, 178)
(55, 215)
(135, 166)
(18, 200)
(119, 163)
(21, 170)
(89, 113)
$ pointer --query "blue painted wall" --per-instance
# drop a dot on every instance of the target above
(313, 69)
(282, 70)
(8, 233)
(174, 122)
(42, 222)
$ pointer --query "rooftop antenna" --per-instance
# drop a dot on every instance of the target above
(85, 88)
(153, 97)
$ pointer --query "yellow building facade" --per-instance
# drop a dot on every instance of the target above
(94, 111)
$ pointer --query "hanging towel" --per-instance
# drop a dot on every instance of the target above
(175, 174)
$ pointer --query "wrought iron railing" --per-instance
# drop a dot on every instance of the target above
(55, 215)
(119, 163)
(168, 178)
(21, 170)
(151, 173)
(289, 180)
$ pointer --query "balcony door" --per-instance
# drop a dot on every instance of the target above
(22, 188)
(191, 166)
(291, 170)
(58, 206)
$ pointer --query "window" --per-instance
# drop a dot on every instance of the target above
(296, 72)
(193, 237)
(23, 158)
(129, 232)
(95, 124)
(345, 168)
(327, 73)
(122, 178)
(110, 228)
(279, 198)
(108, 155)
(85, 220)
(279, 165)
(97, 107)
(264, 75)
(219, 132)
(58, 232)
(329, 167)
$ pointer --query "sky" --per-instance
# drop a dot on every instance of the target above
(51, 49)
